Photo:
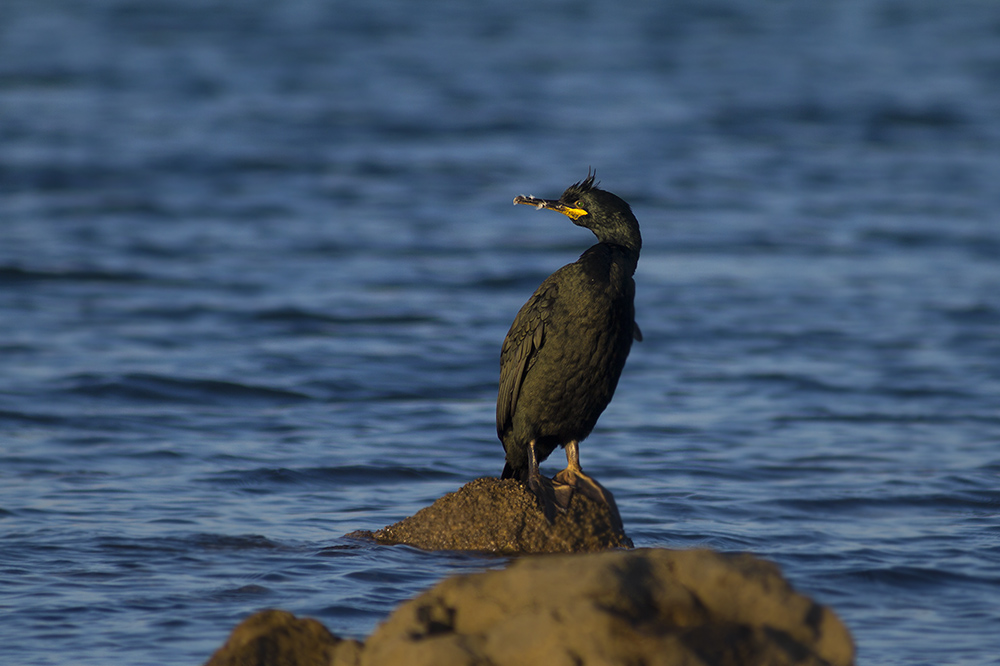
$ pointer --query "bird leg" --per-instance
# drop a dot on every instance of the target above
(541, 487)
(573, 478)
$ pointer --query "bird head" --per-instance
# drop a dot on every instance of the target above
(608, 216)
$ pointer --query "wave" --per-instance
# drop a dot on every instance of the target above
(158, 388)
(346, 475)
(13, 275)
(299, 315)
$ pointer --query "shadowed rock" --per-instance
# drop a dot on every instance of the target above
(655, 607)
(278, 638)
(502, 516)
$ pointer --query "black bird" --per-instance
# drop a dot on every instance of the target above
(565, 351)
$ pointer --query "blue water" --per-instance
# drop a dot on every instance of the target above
(257, 259)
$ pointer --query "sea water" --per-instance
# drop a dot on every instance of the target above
(257, 260)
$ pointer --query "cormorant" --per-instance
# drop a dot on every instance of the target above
(565, 351)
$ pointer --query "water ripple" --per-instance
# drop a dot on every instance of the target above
(161, 389)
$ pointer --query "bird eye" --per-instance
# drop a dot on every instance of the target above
(579, 203)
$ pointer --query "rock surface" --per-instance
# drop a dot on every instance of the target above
(652, 606)
(502, 516)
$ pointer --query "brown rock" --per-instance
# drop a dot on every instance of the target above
(502, 516)
(278, 638)
(654, 607)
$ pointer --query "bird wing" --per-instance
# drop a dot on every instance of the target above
(525, 337)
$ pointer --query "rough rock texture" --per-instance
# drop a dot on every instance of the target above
(278, 638)
(502, 516)
(653, 607)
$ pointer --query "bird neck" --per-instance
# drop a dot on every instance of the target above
(626, 238)
(629, 255)
(621, 230)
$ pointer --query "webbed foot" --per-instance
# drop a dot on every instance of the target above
(551, 499)
(573, 479)
(545, 492)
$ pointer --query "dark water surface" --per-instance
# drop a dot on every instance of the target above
(257, 258)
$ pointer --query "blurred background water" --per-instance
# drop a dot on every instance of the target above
(257, 259)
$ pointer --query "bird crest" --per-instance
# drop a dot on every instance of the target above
(576, 190)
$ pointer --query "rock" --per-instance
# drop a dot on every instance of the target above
(278, 638)
(654, 607)
(502, 516)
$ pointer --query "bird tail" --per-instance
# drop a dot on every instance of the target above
(509, 472)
